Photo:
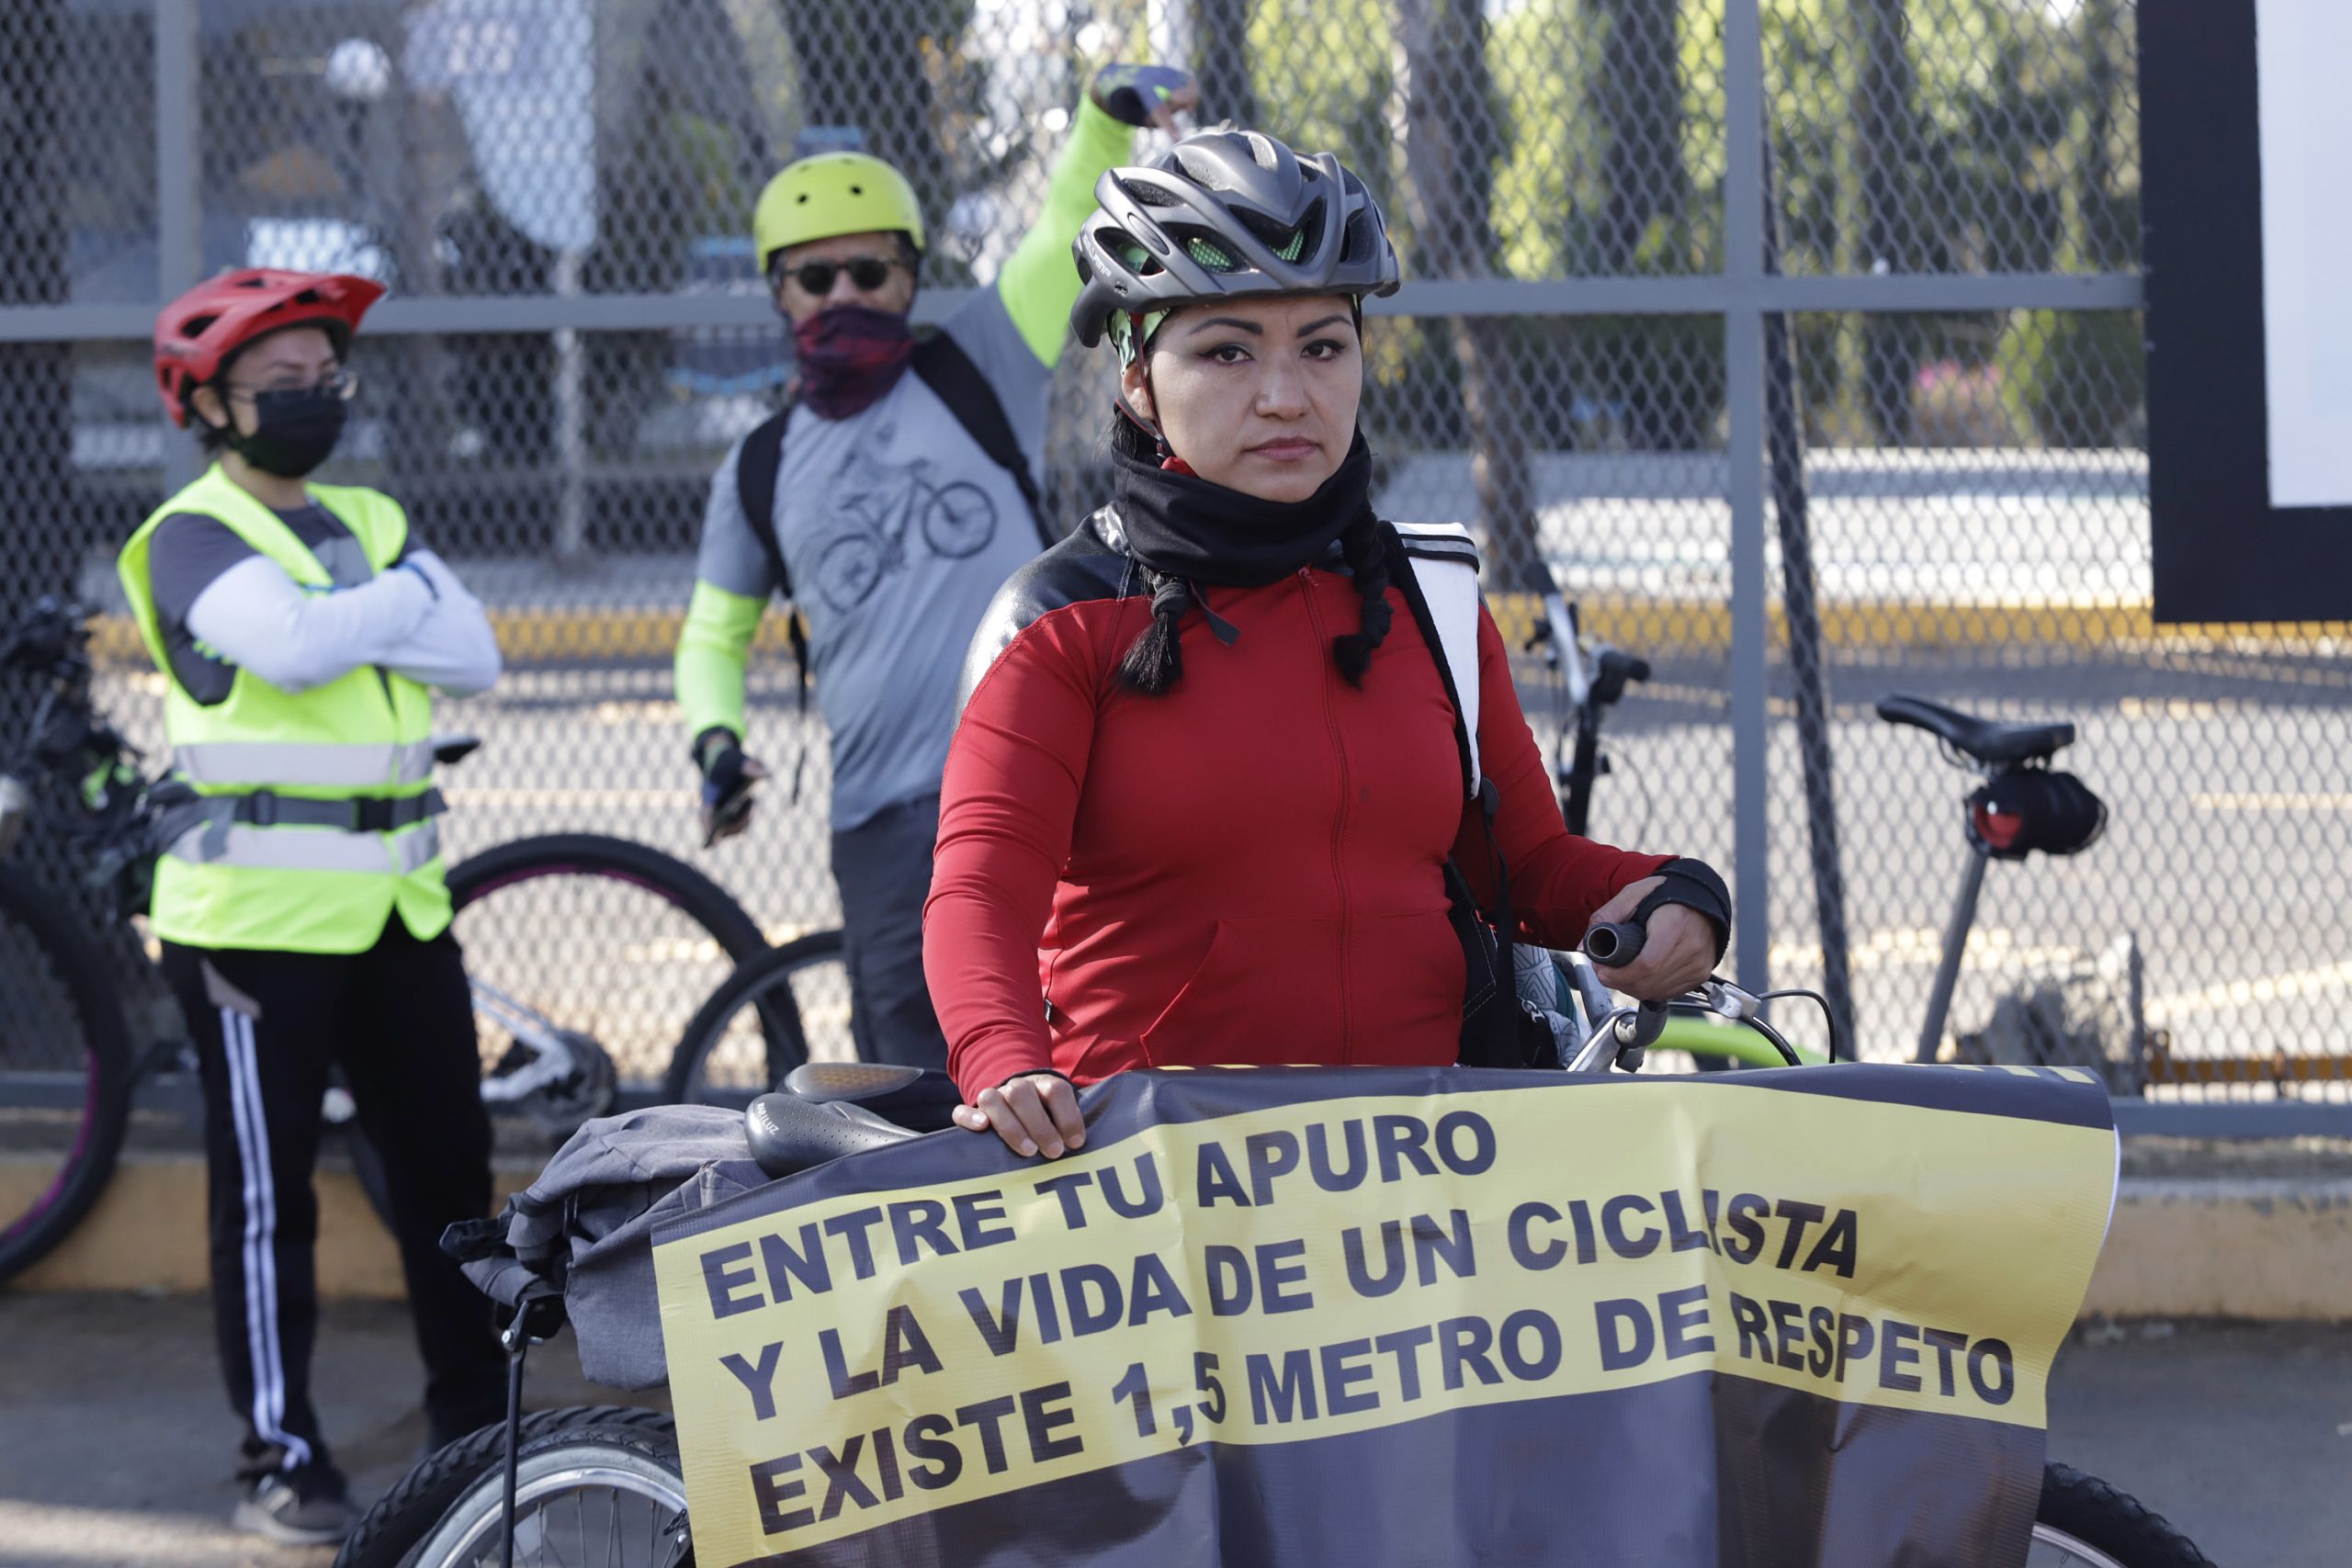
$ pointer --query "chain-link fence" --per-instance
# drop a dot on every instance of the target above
(1684, 274)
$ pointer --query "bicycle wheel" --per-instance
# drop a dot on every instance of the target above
(65, 1073)
(584, 952)
(595, 1485)
(2085, 1523)
(788, 1006)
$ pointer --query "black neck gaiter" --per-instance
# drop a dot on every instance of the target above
(1183, 526)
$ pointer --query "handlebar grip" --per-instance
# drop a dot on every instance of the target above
(1612, 944)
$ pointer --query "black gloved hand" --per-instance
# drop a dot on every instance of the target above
(1145, 95)
(729, 776)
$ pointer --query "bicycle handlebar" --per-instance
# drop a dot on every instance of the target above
(1612, 944)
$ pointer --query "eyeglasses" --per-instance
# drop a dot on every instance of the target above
(866, 273)
(342, 385)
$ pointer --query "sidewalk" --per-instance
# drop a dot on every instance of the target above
(114, 1437)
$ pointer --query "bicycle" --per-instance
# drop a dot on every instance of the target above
(605, 1485)
(1593, 677)
(956, 520)
(556, 1004)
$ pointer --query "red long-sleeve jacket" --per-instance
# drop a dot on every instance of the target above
(1247, 868)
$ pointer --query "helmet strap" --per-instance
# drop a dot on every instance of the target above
(1150, 427)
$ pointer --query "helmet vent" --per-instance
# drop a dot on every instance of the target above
(1287, 242)
(1203, 247)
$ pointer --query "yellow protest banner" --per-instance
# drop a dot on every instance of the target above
(1296, 1315)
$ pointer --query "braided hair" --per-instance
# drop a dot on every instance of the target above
(1365, 547)
(1155, 660)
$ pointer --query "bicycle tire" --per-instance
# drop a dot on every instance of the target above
(86, 984)
(2081, 1511)
(419, 1522)
(755, 984)
(518, 860)
(696, 897)
(699, 901)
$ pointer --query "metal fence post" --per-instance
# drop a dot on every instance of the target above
(1744, 454)
(180, 248)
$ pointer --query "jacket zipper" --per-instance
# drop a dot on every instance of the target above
(1338, 816)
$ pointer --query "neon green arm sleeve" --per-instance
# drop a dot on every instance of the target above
(713, 647)
(1039, 283)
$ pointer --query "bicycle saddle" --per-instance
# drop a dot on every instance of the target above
(788, 1133)
(916, 1098)
(1987, 741)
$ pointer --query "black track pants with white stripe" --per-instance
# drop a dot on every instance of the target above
(268, 1026)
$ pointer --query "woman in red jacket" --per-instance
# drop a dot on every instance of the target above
(1207, 776)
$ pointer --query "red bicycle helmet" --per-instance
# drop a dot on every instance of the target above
(196, 333)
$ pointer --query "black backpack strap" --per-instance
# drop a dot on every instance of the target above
(949, 372)
(758, 464)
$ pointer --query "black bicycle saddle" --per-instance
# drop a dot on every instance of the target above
(1987, 741)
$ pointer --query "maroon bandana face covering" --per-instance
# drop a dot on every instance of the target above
(850, 356)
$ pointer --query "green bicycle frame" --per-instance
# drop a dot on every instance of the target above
(1701, 1034)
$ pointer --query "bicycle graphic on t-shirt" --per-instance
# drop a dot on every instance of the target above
(955, 520)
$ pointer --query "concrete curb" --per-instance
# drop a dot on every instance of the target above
(148, 1231)
(2267, 1249)
(2236, 1247)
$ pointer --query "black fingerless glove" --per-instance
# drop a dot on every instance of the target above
(1694, 884)
(718, 754)
(1130, 93)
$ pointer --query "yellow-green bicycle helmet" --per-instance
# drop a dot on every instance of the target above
(833, 194)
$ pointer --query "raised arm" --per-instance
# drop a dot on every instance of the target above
(1039, 283)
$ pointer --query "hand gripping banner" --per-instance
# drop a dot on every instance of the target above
(1375, 1316)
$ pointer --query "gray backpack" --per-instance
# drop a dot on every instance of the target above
(586, 1227)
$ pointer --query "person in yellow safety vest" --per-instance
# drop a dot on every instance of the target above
(300, 631)
(888, 501)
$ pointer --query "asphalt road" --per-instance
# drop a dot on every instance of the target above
(2228, 854)
(115, 1442)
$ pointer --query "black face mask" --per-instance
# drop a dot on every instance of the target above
(294, 431)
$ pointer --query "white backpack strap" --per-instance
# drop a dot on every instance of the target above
(1445, 564)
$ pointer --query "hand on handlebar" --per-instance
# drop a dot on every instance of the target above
(1034, 1113)
(1679, 953)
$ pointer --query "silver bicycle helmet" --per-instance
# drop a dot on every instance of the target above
(1226, 213)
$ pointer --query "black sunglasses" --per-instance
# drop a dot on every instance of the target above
(868, 272)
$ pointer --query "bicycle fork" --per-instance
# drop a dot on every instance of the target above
(1964, 919)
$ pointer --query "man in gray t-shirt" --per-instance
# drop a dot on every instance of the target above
(892, 526)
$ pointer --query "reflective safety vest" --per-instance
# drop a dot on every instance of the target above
(315, 812)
